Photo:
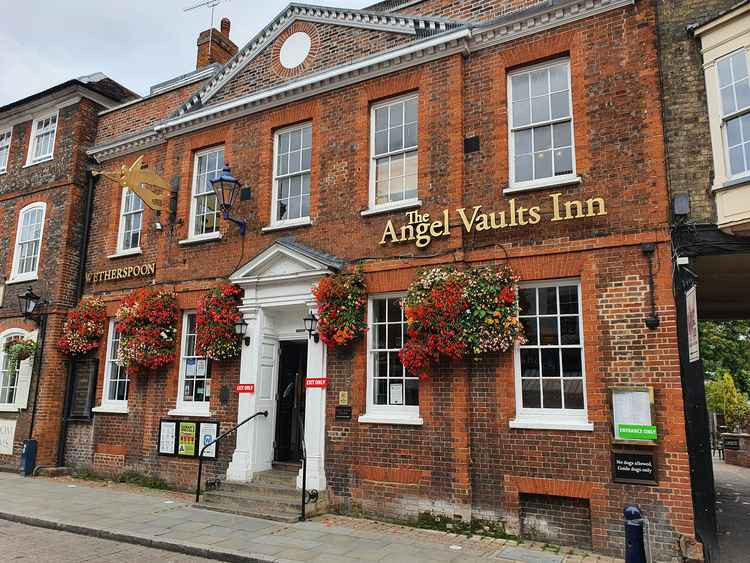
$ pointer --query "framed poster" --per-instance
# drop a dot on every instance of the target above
(208, 432)
(633, 414)
(396, 394)
(186, 439)
(691, 306)
(168, 437)
(633, 467)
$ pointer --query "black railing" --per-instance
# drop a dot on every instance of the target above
(211, 443)
(312, 496)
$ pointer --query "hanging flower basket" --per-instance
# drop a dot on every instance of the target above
(147, 322)
(20, 350)
(217, 313)
(453, 314)
(83, 328)
(342, 304)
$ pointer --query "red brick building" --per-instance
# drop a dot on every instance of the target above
(548, 116)
(43, 192)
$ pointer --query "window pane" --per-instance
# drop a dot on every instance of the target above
(381, 142)
(396, 114)
(558, 76)
(539, 82)
(743, 94)
(530, 394)
(573, 394)
(548, 331)
(412, 392)
(395, 139)
(552, 393)
(527, 301)
(571, 360)
(522, 140)
(378, 309)
(727, 100)
(307, 137)
(524, 168)
(381, 119)
(529, 330)
(725, 72)
(736, 160)
(568, 299)
(739, 65)
(542, 138)
(560, 105)
(561, 134)
(521, 113)
(411, 111)
(529, 362)
(547, 300)
(410, 135)
(569, 330)
(563, 162)
(540, 109)
(520, 87)
(550, 362)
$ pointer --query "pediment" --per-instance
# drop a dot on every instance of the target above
(285, 260)
(305, 40)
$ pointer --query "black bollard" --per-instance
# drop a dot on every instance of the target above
(635, 550)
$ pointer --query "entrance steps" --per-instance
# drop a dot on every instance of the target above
(271, 495)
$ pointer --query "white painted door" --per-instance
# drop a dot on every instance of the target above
(266, 400)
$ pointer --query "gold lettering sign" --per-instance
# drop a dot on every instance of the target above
(122, 273)
(422, 229)
(147, 185)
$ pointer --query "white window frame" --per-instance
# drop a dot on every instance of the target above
(385, 414)
(553, 419)
(16, 276)
(112, 405)
(5, 145)
(571, 178)
(725, 118)
(121, 250)
(7, 335)
(405, 203)
(189, 408)
(30, 160)
(305, 220)
(192, 237)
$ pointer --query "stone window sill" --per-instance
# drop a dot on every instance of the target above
(382, 419)
(554, 182)
(111, 409)
(183, 411)
(391, 207)
(22, 279)
(551, 424)
(202, 238)
(306, 222)
(124, 253)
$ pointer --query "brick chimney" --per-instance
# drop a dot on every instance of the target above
(214, 46)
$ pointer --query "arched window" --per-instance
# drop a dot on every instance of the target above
(28, 242)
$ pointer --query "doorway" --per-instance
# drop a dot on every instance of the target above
(290, 401)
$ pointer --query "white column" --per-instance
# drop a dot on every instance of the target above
(240, 468)
(315, 416)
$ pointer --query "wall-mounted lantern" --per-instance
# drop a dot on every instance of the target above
(28, 302)
(311, 326)
(240, 329)
(227, 189)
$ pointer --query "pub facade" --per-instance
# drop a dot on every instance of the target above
(392, 140)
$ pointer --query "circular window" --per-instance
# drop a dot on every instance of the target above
(295, 49)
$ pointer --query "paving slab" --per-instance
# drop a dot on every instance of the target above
(169, 521)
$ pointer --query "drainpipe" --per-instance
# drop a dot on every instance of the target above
(83, 250)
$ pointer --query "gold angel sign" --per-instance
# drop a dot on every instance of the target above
(147, 185)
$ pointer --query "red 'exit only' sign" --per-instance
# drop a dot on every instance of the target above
(245, 388)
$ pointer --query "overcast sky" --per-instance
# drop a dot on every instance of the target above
(137, 42)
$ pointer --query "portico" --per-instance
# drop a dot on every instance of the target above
(278, 286)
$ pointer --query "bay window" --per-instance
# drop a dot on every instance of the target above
(734, 90)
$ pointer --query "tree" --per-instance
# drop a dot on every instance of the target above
(722, 396)
(725, 346)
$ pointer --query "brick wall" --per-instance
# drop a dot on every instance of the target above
(558, 520)
(685, 108)
(482, 10)
(464, 460)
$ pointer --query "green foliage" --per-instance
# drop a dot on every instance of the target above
(722, 396)
(129, 477)
(475, 527)
(725, 346)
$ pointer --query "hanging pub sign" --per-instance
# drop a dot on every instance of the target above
(147, 185)
(633, 467)
(422, 228)
(633, 414)
(122, 273)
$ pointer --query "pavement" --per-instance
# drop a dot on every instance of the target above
(733, 511)
(168, 522)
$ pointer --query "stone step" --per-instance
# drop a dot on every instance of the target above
(261, 489)
(276, 477)
(265, 515)
(272, 507)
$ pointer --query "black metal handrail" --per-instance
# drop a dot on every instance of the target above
(211, 443)
(312, 495)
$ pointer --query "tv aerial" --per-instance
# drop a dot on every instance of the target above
(207, 4)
